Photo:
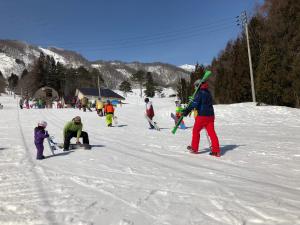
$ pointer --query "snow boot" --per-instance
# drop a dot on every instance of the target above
(191, 150)
(216, 154)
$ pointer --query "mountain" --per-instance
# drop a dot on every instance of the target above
(15, 56)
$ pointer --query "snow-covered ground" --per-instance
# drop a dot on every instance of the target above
(138, 176)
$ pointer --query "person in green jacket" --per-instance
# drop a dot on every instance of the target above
(74, 129)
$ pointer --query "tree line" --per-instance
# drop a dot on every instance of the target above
(274, 33)
(142, 79)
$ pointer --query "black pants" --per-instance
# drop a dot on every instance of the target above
(69, 135)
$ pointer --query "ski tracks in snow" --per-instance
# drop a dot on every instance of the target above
(180, 171)
(130, 179)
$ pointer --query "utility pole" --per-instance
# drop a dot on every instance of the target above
(99, 90)
(243, 20)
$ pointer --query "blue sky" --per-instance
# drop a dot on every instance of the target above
(170, 31)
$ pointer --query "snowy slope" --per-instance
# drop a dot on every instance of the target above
(57, 57)
(8, 66)
(138, 176)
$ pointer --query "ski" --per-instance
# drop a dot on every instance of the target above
(152, 122)
(207, 74)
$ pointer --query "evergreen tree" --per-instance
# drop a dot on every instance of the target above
(24, 73)
(139, 78)
(150, 85)
(274, 40)
(182, 91)
(125, 86)
(13, 82)
(2, 83)
(159, 91)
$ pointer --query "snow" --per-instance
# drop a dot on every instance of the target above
(8, 66)
(96, 66)
(134, 175)
(57, 57)
(187, 67)
(124, 72)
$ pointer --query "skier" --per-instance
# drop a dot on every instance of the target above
(149, 111)
(74, 129)
(27, 103)
(99, 107)
(109, 112)
(39, 135)
(205, 119)
(21, 103)
(178, 114)
(84, 103)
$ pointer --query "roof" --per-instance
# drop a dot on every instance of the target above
(105, 92)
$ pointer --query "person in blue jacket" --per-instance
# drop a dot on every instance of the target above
(203, 103)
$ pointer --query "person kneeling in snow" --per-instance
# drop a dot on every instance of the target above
(74, 129)
(205, 119)
(39, 135)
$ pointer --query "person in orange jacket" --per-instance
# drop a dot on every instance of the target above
(109, 113)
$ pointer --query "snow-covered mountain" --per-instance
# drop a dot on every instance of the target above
(15, 56)
(114, 71)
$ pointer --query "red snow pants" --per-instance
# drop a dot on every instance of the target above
(206, 122)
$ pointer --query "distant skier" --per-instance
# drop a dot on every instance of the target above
(84, 103)
(109, 112)
(178, 114)
(27, 103)
(74, 129)
(21, 103)
(39, 135)
(99, 107)
(149, 111)
(205, 119)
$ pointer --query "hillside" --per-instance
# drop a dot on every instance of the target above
(15, 56)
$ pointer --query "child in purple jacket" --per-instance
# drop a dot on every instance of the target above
(39, 135)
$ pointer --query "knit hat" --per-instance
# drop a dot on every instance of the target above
(204, 85)
(77, 119)
(42, 124)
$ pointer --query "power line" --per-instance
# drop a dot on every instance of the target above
(156, 35)
(154, 42)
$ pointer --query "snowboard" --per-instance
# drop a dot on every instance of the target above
(182, 125)
(76, 146)
(115, 119)
(152, 122)
(52, 145)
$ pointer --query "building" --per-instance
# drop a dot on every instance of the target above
(47, 94)
(93, 94)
